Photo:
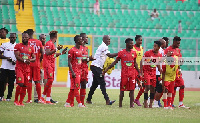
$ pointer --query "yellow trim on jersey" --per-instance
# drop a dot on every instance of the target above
(139, 55)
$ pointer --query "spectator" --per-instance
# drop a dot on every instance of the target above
(154, 15)
(97, 8)
(179, 27)
(22, 4)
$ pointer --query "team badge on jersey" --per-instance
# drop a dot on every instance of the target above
(77, 85)
(51, 74)
(133, 54)
(145, 81)
(19, 78)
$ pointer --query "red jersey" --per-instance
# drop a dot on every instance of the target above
(49, 60)
(37, 45)
(151, 68)
(26, 52)
(76, 59)
(84, 55)
(127, 61)
(175, 51)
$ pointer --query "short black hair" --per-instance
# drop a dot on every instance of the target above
(176, 38)
(13, 33)
(158, 43)
(137, 36)
(4, 28)
(41, 34)
(166, 38)
(30, 31)
(128, 40)
(82, 34)
(53, 34)
(76, 37)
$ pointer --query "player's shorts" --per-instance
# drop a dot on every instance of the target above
(179, 82)
(158, 85)
(49, 73)
(84, 75)
(35, 73)
(75, 82)
(127, 83)
(169, 86)
(22, 76)
(149, 79)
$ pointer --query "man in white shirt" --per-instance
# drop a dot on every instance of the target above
(154, 14)
(8, 66)
(159, 90)
(96, 68)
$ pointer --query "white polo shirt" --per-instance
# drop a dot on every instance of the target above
(161, 51)
(100, 55)
(8, 51)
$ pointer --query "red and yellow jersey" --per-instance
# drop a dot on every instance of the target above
(84, 55)
(76, 59)
(127, 61)
(139, 52)
(49, 60)
(26, 52)
(37, 45)
(1, 42)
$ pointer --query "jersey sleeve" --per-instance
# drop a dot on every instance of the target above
(16, 48)
(146, 54)
(70, 53)
(119, 55)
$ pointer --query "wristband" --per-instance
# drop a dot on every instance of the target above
(24, 60)
(88, 59)
(179, 69)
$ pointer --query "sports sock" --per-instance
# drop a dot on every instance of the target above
(77, 95)
(48, 98)
(38, 89)
(22, 94)
(173, 96)
(181, 95)
(29, 90)
(169, 101)
(180, 103)
(140, 93)
(49, 92)
(165, 99)
(18, 90)
(82, 95)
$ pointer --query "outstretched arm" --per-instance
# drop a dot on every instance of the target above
(112, 55)
(112, 65)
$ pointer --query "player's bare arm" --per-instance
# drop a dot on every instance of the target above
(18, 57)
(112, 65)
(90, 58)
(112, 55)
(42, 53)
(63, 52)
(70, 67)
(136, 67)
(33, 58)
(50, 52)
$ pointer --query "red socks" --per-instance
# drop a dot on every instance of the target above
(22, 94)
(29, 91)
(18, 90)
(82, 95)
(38, 89)
(140, 93)
(169, 100)
(181, 95)
(77, 95)
(47, 86)
(72, 93)
(173, 96)
(165, 102)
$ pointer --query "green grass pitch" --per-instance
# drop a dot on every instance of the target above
(98, 111)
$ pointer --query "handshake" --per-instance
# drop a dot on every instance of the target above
(60, 47)
(11, 60)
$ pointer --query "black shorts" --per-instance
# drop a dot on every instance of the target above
(158, 85)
